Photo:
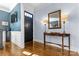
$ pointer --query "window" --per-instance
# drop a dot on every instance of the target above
(28, 15)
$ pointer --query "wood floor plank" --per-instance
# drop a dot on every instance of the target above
(34, 49)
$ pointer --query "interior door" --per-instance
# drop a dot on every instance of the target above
(1, 37)
(8, 36)
(28, 26)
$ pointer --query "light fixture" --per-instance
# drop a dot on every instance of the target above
(44, 22)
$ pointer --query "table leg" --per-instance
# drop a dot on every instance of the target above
(44, 41)
(62, 45)
(69, 47)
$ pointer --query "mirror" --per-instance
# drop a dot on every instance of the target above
(54, 20)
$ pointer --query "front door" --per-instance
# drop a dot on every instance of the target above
(28, 26)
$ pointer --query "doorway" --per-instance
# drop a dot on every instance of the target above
(28, 26)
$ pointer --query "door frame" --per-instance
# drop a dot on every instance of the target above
(24, 23)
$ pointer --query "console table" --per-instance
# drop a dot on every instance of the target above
(60, 35)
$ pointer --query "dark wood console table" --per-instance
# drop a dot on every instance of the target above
(60, 35)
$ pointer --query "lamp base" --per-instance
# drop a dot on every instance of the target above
(45, 27)
(63, 26)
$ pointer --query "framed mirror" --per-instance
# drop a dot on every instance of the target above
(54, 20)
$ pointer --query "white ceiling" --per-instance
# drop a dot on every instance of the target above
(32, 5)
(7, 6)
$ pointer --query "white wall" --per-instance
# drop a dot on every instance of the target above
(71, 25)
(29, 7)
(4, 36)
(17, 37)
(22, 25)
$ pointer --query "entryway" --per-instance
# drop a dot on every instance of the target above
(28, 26)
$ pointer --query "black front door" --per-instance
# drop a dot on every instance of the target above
(28, 26)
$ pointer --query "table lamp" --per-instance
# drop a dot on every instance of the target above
(64, 18)
(44, 22)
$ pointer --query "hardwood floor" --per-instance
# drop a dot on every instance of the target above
(35, 49)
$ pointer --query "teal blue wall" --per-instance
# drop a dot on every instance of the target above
(17, 25)
(4, 16)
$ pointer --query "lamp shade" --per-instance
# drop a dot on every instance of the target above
(44, 21)
(64, 17)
